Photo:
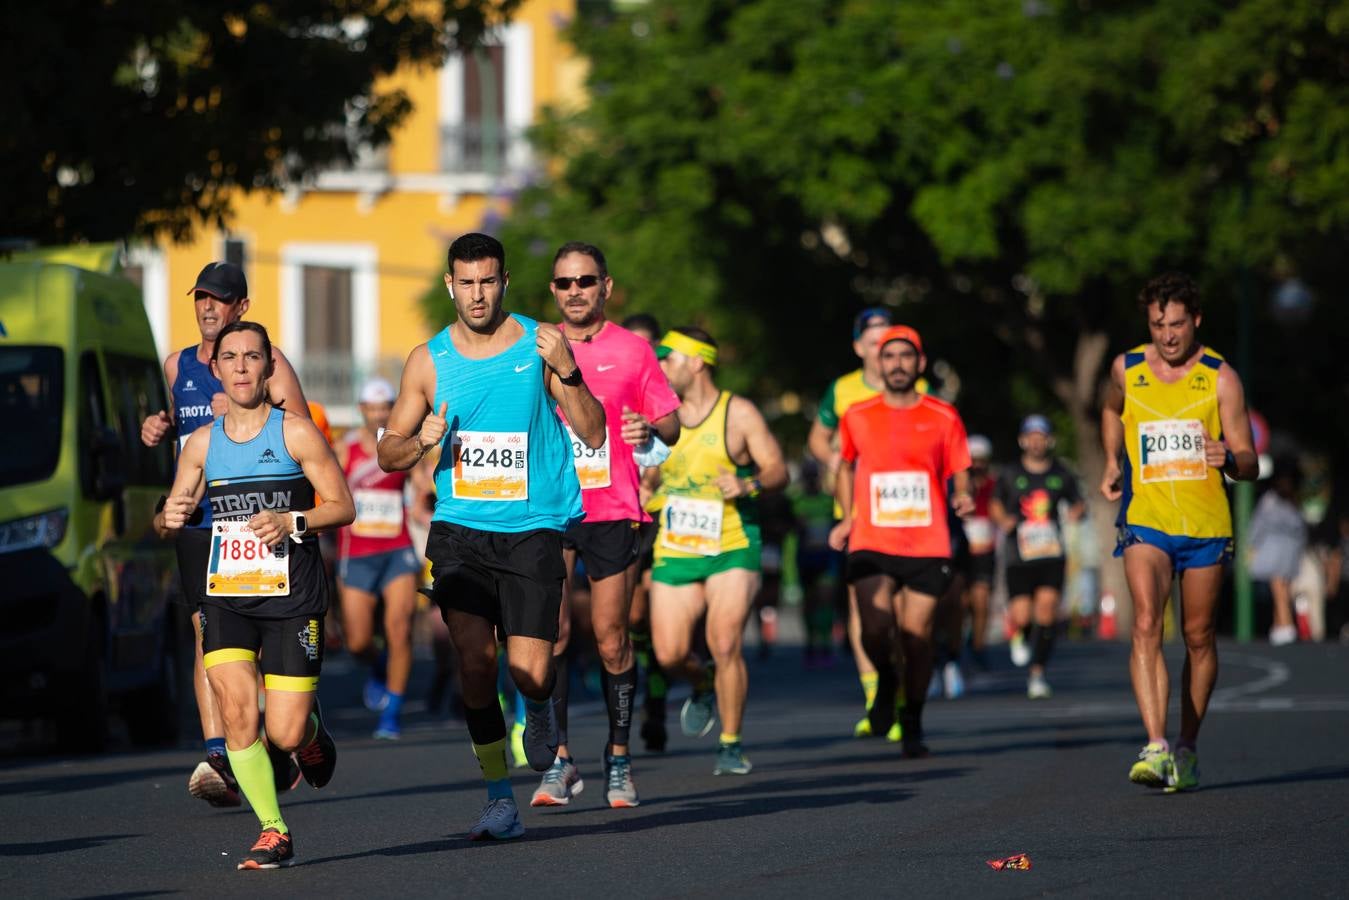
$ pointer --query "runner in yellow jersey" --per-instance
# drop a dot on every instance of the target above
(842, 393)
(707, 551)
(1177, 411)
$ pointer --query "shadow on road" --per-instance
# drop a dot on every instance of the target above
(1324, 773)
(67, 782)
(44, 848)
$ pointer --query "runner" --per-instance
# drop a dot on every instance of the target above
(638, 402)
(1026, 507)
(507, 489)
(261, 468)
(654, 735)
(858, 385)
(981, 542)
(1177, 412)
(898, 450)
(376, 559)
(707, 555)
(221, 297)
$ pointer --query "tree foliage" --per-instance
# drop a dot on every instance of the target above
(1005, 174)
(147, 117)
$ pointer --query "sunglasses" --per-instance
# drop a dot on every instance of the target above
(564, 282)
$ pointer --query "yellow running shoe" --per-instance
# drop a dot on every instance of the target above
(1184, 771)
(863, 728)
(518, 745)
(1154, 766)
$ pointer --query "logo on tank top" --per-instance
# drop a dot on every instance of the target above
(268, 457)
(1199, 382)
(1141, 382)
(605, 368)
(190, 386)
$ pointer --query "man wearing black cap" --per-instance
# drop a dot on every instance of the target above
(844, 391)
(221, 297)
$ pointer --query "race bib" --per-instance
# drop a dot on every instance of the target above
(1171, 450)
(979, 534)
(692, 525)
(491, 465)
(379, 513)
(900, 500)
(592, 466)
(1038, 540)
(240, 565)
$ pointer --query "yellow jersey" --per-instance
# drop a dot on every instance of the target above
(1167, 484)
(695, 520)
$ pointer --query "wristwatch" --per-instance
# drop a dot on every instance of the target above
(298, 527)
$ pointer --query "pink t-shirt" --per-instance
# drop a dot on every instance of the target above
(620, 369)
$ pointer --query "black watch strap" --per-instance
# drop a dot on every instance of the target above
(573, 379)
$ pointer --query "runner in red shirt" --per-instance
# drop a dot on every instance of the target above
(898, 451)
(375, 558)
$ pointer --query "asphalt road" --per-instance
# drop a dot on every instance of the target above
(821, 814)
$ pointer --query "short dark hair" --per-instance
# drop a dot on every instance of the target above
(474, 246)
(644, 321)
(238, 326)
(585, 249)
(1171, 287)
(696, 333)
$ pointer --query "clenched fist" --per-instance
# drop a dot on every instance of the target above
(154, 428)
(554, 350)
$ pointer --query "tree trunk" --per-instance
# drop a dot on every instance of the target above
(1080, 394)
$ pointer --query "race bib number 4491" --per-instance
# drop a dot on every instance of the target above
(240, 565)
(900, 500)
(491, 465)
(1171, 450)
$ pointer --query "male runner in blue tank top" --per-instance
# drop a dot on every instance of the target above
(221, 298)
(506, 486)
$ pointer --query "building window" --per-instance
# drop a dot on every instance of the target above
(486, 103)
(235, 252)
(327, 310)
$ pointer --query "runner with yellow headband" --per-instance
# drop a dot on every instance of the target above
(707, 552)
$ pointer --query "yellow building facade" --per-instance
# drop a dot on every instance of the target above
(336, 267)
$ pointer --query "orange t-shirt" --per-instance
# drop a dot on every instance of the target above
(904, 458)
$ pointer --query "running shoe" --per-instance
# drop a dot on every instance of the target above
(1037, 688)
(1020, 650)
(213, 781)
(375, 695)
(699, 714)
(619, 791)
(518, 758)
(285, 772)
(731, 760)
(387, 732)
(863, 728)
(914, 748)
(654, 735)
(1154, 766)
(500, 821)
(272, 851)
(1184, 771)
(318, 758)
(560, 783)
(540, 738)
(895, 734)
(953, 681)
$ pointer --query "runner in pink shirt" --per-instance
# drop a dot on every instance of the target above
(620, 369)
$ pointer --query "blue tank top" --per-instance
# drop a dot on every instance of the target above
(243, 479)
(507, 464)
(192, 392)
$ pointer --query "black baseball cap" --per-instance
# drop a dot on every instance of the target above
(223, 281)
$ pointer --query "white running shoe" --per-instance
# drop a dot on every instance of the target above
(953, 681)
(1037, 688)
(1282, 635)
(1020, 650)
(560, 783)
(500, 821)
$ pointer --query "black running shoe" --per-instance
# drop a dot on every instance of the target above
(654, 735)
(318, 758)
(213, 781)
(285, 772)
(272, 851)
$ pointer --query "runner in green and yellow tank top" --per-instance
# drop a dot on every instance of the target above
(701, 531)
(707, 551)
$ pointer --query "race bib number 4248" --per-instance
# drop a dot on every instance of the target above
(491, 465)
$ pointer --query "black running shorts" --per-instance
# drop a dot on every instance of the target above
(979, 567)
(1023, 579)
(193, 546)
(606, 548)
(289, 652)
(926, 575)
(511, 579)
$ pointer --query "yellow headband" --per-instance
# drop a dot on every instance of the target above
(682, 343)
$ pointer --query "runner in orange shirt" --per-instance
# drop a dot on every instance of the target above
(898, 451)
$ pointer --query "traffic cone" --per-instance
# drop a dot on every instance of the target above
(1107, 627)
(1302, 610)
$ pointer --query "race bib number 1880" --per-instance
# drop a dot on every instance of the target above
(491, 465)
(240, 565)
(1171, 450)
